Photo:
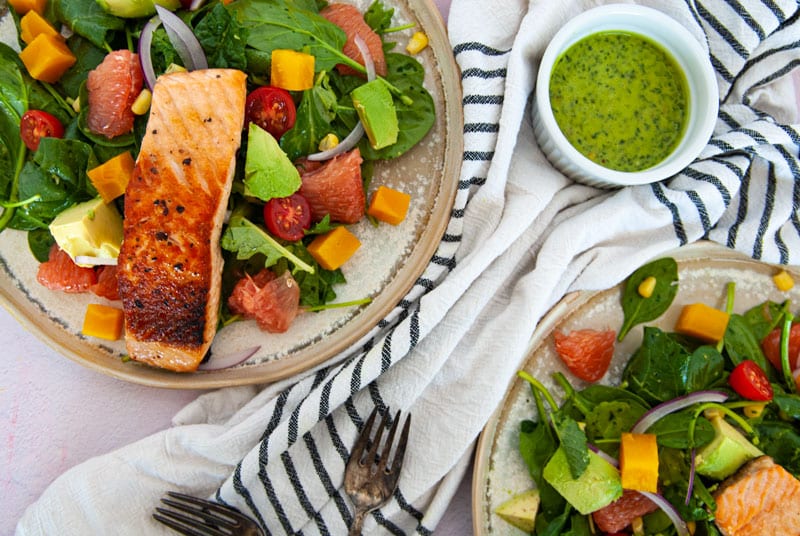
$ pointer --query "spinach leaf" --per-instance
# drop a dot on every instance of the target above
(87, 18)
(781, 441)
(415, 115)
(741, 343)
(573, 441)
(39, 242)
(764, 317)
(89, 56)
(13, 103)
(272, 24)
(608, 420)
(315, 114)
(788, 404)
(378, 17)
(662, 369)
(316, 289)
(223, 39)
(673, 431)
(638, 309)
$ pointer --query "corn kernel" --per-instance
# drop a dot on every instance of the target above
(783, 280)
(330, 141)
(417, 43)
(175, 68)
(142, 102)
(753, 411)
(647, 286)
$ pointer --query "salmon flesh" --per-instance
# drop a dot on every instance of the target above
(170, 263)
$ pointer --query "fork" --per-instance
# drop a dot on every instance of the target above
(369, 480)
(199, 517)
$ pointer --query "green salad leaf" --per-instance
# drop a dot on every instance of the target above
(638, 309)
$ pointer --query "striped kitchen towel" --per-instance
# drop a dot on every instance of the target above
(521, 236)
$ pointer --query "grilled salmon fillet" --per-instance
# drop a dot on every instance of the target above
(761, 499)
(170, 263)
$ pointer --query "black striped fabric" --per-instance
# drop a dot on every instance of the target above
(743, 192)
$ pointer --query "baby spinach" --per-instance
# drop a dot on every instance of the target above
(315, 116)
(88, 19)
(223, 39)
(13, 103)
(638, 309)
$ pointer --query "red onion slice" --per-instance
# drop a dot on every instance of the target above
(145, 57)
(357, 133)
(672, 513)
(196, 4)
(94, 261)
(230, 360)
(692, 475)
(671, 406)
(183, 39)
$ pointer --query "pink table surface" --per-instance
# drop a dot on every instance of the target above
(54, 414)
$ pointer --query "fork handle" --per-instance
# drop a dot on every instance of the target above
(358, 521)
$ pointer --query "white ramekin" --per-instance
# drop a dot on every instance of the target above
(672, 37)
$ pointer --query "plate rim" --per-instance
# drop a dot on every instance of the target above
(447, 76)
(702, 250)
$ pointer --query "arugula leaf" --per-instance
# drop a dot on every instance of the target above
(378, 17)
(246, 239)
(223, 39)
(280, 24)
(87, 18)
(638, 309)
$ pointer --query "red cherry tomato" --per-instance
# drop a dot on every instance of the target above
(38, 124)
(750, 381)
(288, 217)
(271, 108)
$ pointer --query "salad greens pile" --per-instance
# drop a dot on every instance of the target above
(666, 366)
(36, 187)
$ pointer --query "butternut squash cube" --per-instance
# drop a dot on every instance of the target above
(638, 462)
(111, 177)
(103, 321)
(291, 70)
(33, 24)
(702, 322)
(333, 249)
(47, 58)
(24, 6)
(389, 205)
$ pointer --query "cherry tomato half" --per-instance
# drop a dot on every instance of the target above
(772, 346)
(750, 381)
(38, 124)
(271, 108)
(288, 217)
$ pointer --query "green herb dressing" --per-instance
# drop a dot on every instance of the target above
(620, 99)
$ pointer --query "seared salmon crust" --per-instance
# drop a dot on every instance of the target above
(170, 263)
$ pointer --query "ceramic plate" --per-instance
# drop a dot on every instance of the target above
(390, 259)
(704, 270)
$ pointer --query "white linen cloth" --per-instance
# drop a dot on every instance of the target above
(521, 235)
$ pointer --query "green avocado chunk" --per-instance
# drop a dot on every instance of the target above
(598, 486)
(375, 108)
(521, 509)
(268, 172)
(132, 9)
(728, 451)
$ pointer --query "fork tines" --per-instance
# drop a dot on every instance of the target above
(371, 456)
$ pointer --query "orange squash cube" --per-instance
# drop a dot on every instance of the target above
(33, 24)
(47, 58)
(24, 6)
(111, 178)
(389, 205)
(638, 462)
(291, 70)
(702, 322)
(333, 249)
(103, 321)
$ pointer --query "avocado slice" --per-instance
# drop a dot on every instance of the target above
(375, 108)
(598, 486)
(521, 509)
(268, 172)
(91, 228)
(728, 451)
(132, 9)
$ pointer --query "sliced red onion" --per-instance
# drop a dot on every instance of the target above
(94, 261)
(183, 39)
(692, 472)
(357, 133)
(145, 57)
(196, 4)
(672, 513)
(610, 459)
(230, 360)
(671, 406)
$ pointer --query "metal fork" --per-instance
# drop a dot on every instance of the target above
(369, 479)
(199, 517)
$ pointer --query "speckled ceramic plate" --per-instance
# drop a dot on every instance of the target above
(704, 270)
(390, 259)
